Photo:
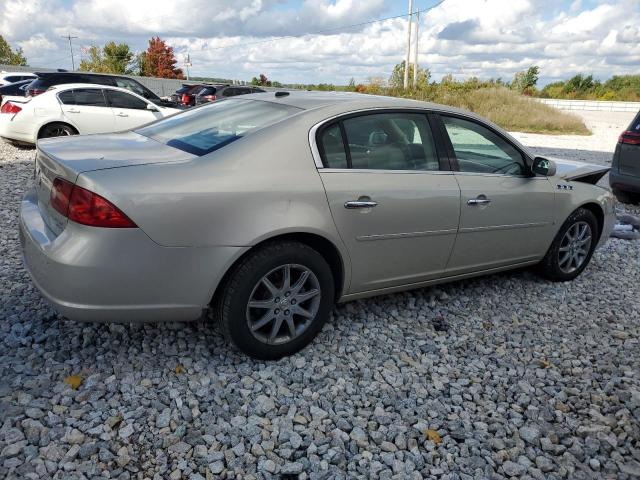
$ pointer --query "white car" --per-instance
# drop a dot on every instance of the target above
(11, 77)
(76, 108)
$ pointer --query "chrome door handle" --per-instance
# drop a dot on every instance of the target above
(122, 114)
(481, 200)
(73, 110)
(360, 204)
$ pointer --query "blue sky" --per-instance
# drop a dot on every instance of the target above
(484, 38)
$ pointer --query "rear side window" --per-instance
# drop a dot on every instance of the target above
(124, 100)
(203, 130)
(135, 87)
(332, 147)
(635, 125)
(88, 97)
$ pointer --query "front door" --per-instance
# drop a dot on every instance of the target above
(506, 214)
(395, 208)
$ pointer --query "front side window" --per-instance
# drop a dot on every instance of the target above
(134, 87)
(382, 141)
(88, 97)
(202, 130)
(124, 100)
(480, 150)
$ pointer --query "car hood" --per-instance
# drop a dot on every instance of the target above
(579, 171)
(84, 153)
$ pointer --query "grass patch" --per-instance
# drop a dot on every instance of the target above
(504, 107)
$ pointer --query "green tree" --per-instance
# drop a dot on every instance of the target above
(9, 56)
(111, 58)
(396, 80)
(525, 81)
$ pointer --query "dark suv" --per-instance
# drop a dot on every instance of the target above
(190, 95)
(49, 79)
(624, 177)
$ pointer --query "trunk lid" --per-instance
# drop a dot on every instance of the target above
(68, 157)
(579, 171)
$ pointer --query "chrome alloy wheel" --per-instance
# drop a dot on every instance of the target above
(574, 247)
(283, 304)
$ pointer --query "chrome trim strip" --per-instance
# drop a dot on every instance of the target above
(479, 174)
(503, 227)
(380, 171)
(387, 236)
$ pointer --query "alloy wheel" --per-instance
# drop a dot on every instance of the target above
(283, 304)
(574, 247)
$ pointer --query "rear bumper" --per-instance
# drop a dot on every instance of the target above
(626, 183)
(119, 275)
(17, 131)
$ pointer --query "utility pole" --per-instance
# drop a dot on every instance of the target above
(415, 52)
(187, 64)
(406, 61)
(69, 37)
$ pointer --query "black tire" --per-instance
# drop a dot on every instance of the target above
(626, 197)
(56, 129)
(231, 306)
(550, 266)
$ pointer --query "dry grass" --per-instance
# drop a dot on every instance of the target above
(504, 107)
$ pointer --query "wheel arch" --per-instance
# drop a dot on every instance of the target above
(44, 125)
(321, 244)
(598, 212)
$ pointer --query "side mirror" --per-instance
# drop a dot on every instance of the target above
(152, 107)
(543, 166)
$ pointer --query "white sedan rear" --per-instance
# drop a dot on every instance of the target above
(74, 109)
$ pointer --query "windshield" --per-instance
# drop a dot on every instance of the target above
(208, 128)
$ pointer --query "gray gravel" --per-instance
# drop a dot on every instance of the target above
(512, 376)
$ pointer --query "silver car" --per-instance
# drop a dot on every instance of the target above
(267, 209)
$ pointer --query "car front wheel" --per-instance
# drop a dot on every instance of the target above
(276, 300)
(572, 247)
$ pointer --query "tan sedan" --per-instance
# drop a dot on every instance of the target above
(269, 208)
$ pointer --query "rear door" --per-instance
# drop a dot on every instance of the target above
(130, 111)
(396, 209)
(506, 213)
(87, 110)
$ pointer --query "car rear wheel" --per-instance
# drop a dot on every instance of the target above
(276, 300)
(56, 130)
(572, 247)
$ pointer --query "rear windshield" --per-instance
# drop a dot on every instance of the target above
(635, 125)
(211, 127)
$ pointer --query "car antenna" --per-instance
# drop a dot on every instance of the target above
(282, 94)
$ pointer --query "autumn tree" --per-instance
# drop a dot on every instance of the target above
(9, 56)
(111, 58)
(262, 81)
(159, 60)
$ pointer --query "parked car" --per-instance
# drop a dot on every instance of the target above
(624, 177)
(211, 94)
(271, 207)
(73, 109)
(45, 80)
(14, 91)
(11, 77)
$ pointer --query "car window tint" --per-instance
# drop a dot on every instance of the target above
(124, 100)
(332, 148)
(635, 125)
(391, 141)
(91, 97)
(229, 92)
(67, 97)
(480, 150)
(202, 130)
(13, 78)
(133, 86)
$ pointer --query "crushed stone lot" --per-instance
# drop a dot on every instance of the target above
(507, 376)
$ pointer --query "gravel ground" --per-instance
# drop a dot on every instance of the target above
(507, 376)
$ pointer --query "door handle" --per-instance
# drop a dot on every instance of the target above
(121, 114)
(73, 110)
(360, 204)
(480, 200)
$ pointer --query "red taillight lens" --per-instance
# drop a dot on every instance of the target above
(83, 206)
(630, 138)
(10, 108)
(35, 91)
(209, 98)
(185, 99)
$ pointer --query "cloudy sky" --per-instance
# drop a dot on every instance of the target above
(242, 38)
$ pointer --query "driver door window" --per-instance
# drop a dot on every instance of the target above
(479, 150)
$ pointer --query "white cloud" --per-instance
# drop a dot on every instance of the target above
(484, 38)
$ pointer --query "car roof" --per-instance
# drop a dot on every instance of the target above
(348, 101)
(5, 74)
(71, 86)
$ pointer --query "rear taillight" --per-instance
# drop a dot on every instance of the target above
(630, 138)
(34, 91)
(83, 206)
(185, 99)
(10, 108)
(209, 98)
